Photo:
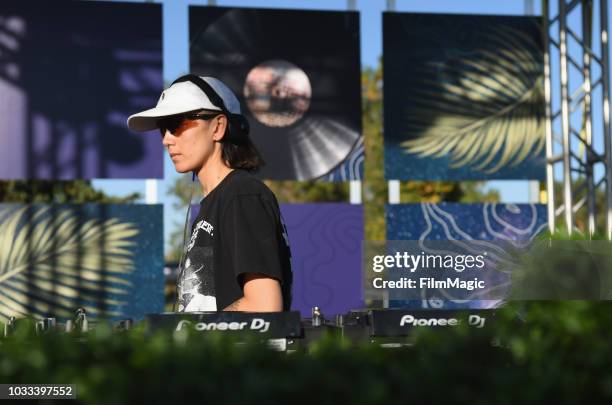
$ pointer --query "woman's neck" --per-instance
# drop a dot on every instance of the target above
(210, 177)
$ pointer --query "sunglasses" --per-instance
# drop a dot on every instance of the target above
(174, 122)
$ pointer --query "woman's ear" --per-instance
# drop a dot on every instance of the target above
(220, 128)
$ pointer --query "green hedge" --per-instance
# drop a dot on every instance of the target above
(561, 352)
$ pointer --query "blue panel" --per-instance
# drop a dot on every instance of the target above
(105, 258)
(447, 221)
(463, 97)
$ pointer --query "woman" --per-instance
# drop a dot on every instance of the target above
(238, 256)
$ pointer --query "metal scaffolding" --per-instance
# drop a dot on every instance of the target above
(586, 162)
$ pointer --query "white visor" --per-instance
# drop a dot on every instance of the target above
(181, 98)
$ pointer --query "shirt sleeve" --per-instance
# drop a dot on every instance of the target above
(251, 235)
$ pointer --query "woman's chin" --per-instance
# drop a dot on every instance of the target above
(181, 169)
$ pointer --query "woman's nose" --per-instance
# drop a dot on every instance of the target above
(167, 138)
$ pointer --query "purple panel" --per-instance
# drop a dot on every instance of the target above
(325, 241)
(68, 81)
(326, 256)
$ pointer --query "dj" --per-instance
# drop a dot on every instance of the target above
(238, 257)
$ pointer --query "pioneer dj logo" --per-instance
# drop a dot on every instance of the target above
(256, 324)
(410, 320)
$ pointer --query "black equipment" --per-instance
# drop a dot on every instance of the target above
(287, 331)
(269, 324)
(399, 322)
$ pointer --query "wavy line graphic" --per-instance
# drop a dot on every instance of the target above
(472, 228)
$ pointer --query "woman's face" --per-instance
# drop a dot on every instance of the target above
(190, 142)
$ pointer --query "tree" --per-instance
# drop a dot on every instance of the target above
(181, 189)
(581, 221)
(57, 192)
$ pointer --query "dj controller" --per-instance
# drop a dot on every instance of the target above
(287, 331)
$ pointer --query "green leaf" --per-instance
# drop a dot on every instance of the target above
(486, 110)
(52, 262)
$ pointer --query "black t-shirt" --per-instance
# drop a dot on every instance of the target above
(238, 230)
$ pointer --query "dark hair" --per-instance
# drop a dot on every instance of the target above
(243, 155)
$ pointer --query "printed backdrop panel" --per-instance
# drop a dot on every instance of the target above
(518, 223)
(71, 72)
(107, 259)
(463, 97)
(325, 244)
(299, 86)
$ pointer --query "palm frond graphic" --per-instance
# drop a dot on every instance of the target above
(484, 109)
(51, 262)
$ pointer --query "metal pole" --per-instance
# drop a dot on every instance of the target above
(587, 118)
(534, 185)
(151, 191)
(605, 76)
(354, 185)
(394, 191)
(150, 184)
(565, 127)
(550, 166)
(393, 185)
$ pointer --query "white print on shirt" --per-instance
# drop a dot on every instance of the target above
(190, 291)
(200, 225)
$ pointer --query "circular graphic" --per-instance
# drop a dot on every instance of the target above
(277, 93)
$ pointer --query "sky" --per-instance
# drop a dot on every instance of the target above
(176, 63)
